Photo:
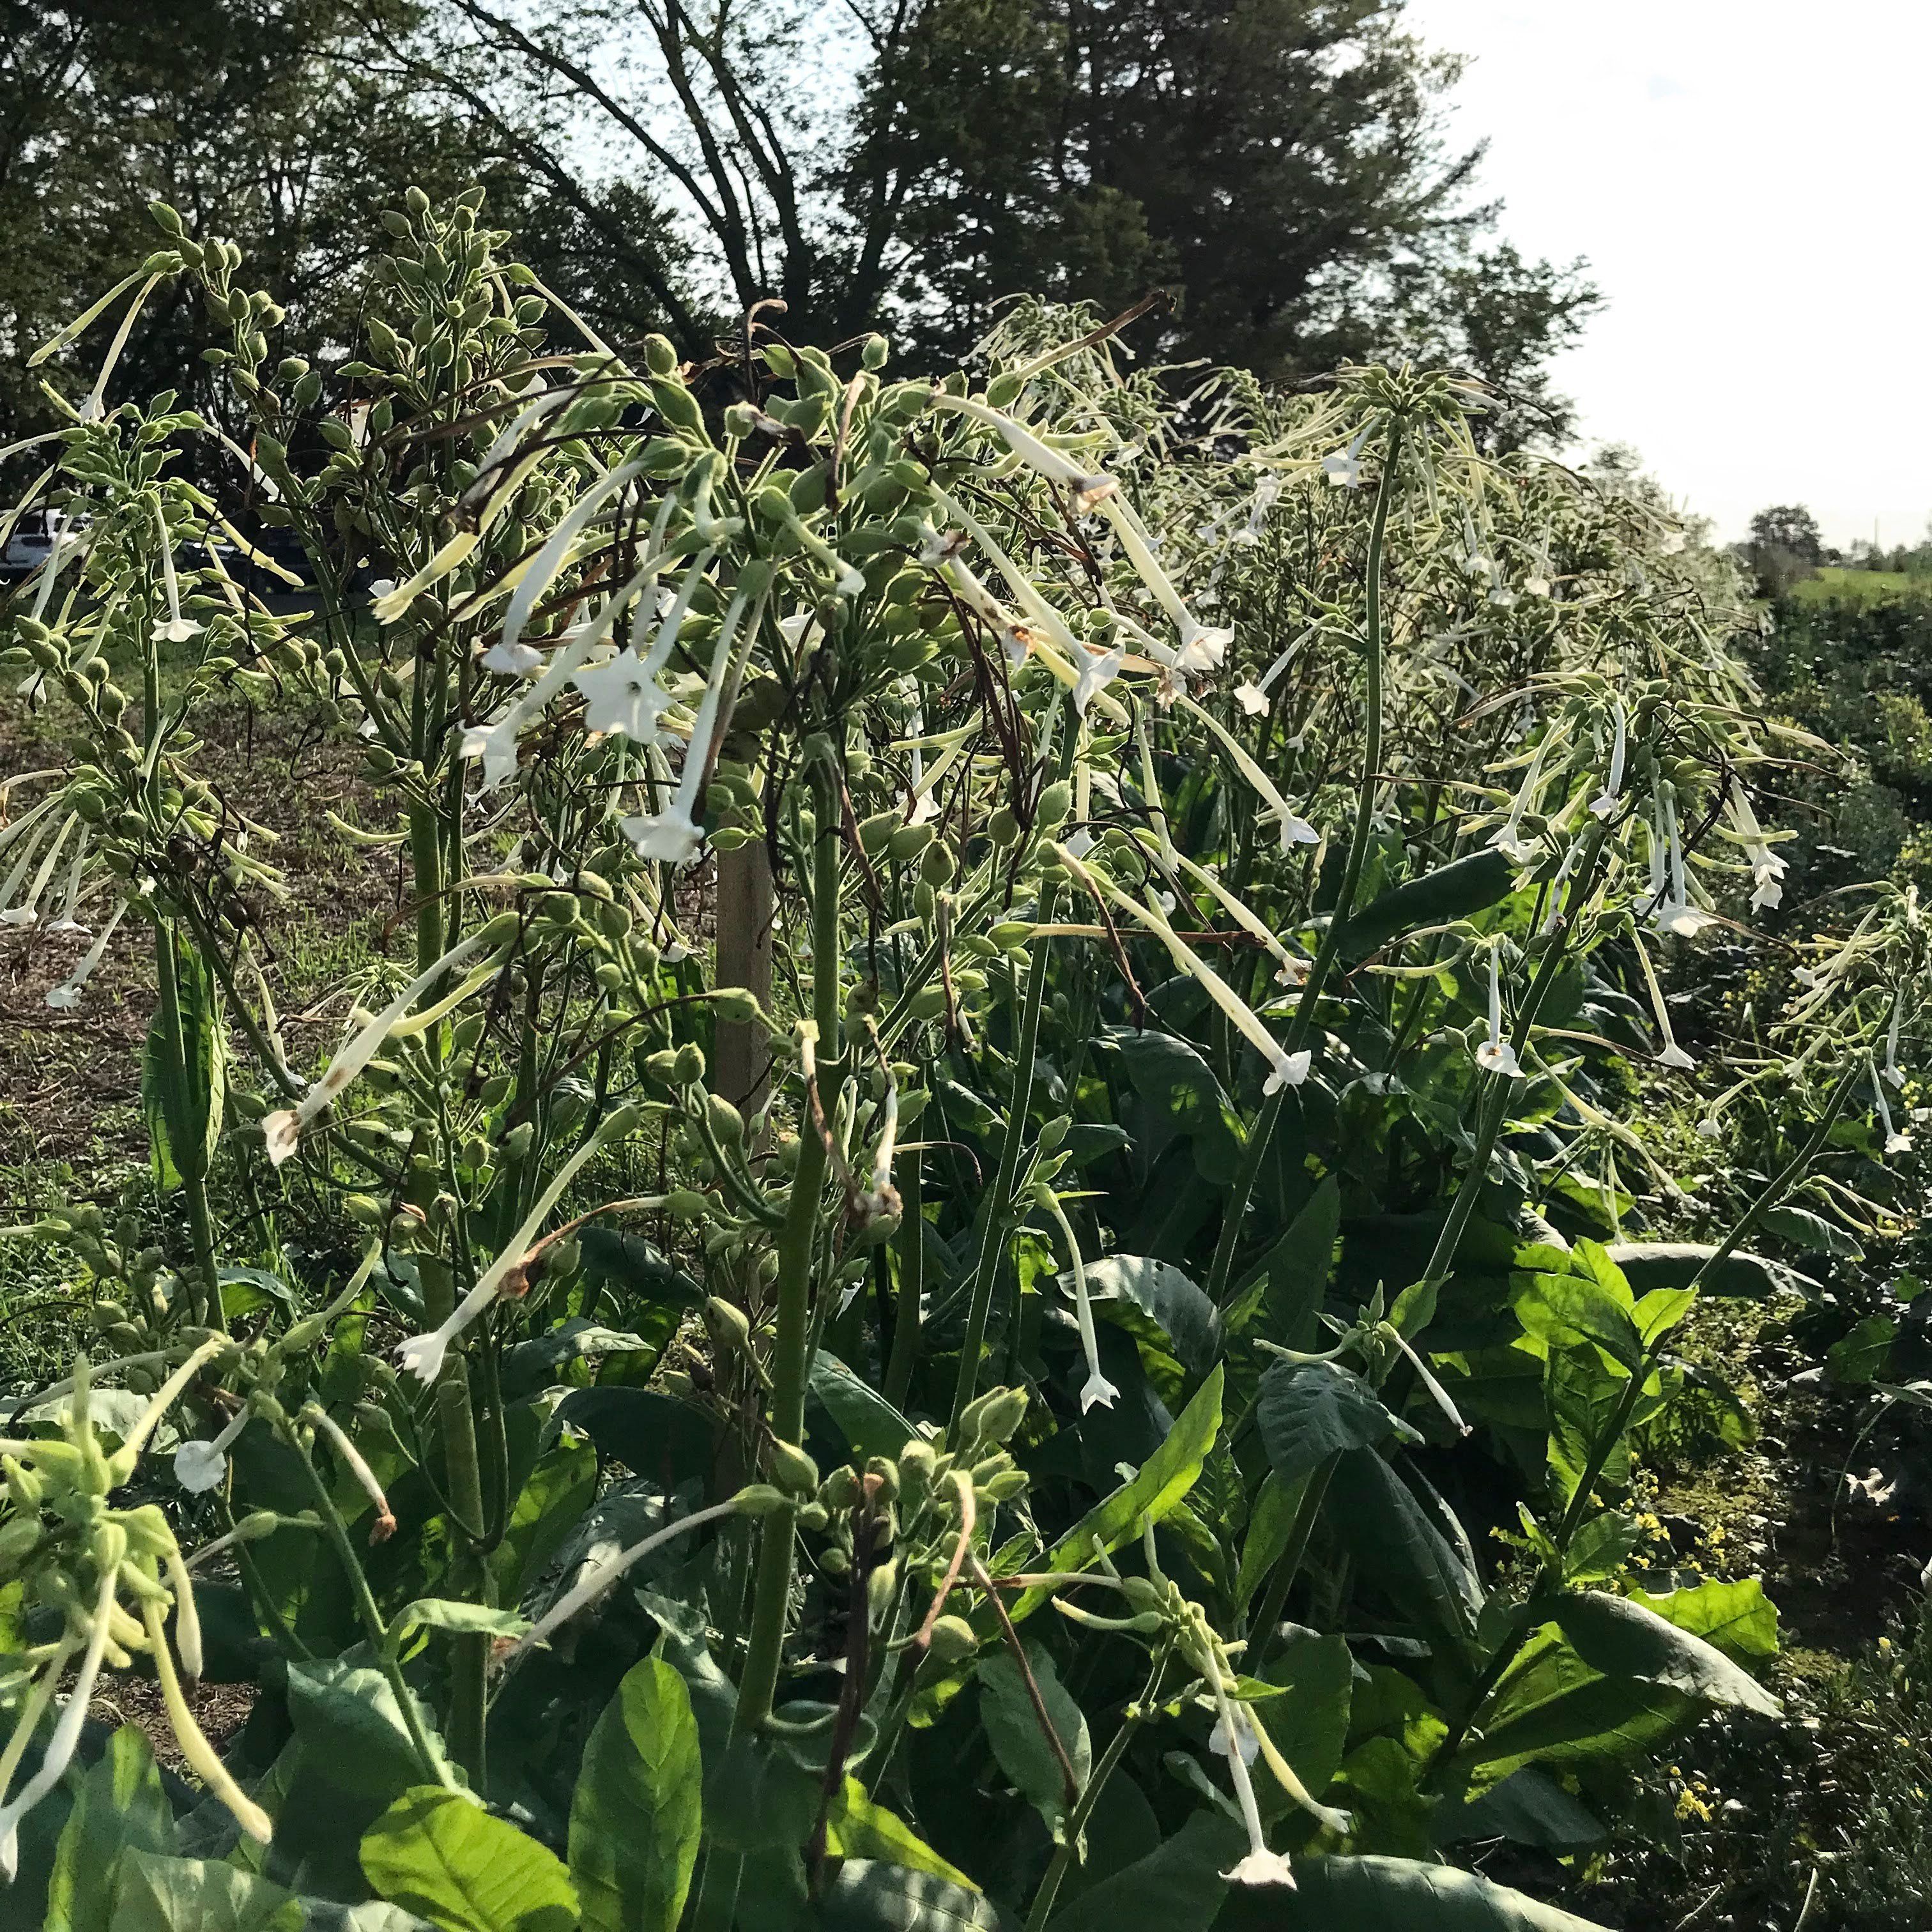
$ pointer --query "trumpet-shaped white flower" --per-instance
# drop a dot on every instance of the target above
(1507, 838)
(1894, 1072)
(1088, 488)
(1253, 700)
(200, 1466)
(623, 696)
(1203, 650)
(516, 660)
(1096, 1387)
(1098, 669)
(68, 994)
(1605, 802)
(283, 1130)
(1287, 1070)
(1675, 913)
(1896, 1140)
(1344, 469)
(1496, 1055)
(1244, 1738)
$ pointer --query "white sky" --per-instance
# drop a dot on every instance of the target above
(1747, 178)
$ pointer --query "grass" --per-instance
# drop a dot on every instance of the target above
(1833, 584)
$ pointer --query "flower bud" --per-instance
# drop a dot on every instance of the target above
(952, 1639)
(792, 1468)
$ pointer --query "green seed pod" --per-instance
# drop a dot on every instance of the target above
(952, 1639)
(876, 833)
(1055, 803)
(994, 1416)
(688, 1068)
(791, 1468)
(1003, 1487)
(728, 1325)
(1002, 828)
(761, 1499)
(881, 1586)
(685, 1204)
(909, 842)
(660, 356)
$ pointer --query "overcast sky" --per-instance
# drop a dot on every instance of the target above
(1748, 178)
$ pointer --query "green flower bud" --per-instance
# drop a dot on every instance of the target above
(792, 1468)
(952, 1639)
(761, 1499)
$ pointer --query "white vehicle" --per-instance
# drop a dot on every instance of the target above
(31, 542)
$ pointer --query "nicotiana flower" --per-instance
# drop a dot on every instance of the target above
(283, 1130)
(423, 1355)
(1344, 469)
(1496, 1055)
(1507, 838)
(1096, 1387)
(1768, 869)
(672, 836)
(200, 1466)
(623, 696)
(1670, 1054)
(1894, 1072)
(1896, 1140)
(516, 660)
(1674, 912)
(1098, 669)
(68, 992)
(174, 628)
(1605, 802)
(1294, 829)
(1088, 488)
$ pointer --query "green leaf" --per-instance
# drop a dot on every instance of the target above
(1177, 1887)
(1162, 1480)
(118, 1807)
(634, 1820)
(869, 1896)
(531, 1365)
(1173, 1302)
(1649, 1264)
(651, 1433)
(1294, 1279)
(636, 1269)
(1737, 1617)
(349, 1722)
(184, 1101)
(1308, 1411)
(164, 1894)
(1582, 1398)
(1013, 1729)
(1182, 1093)
(1622, 1638)
(247, 1290)
(444, 1613)
(1308, 1722)
(1455, 891)
(856, 1828)
(870, 1425)
(1397, 1546)
(445, 1858)
(1570, 1308)
(1270, 1523)
(1811, 1233)
(1861, 1355)
(1528, 1806)
(561, 1486)
(1382, 1895)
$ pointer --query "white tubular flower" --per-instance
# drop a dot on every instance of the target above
(1670, 1054)
(545, 566)
(1200, 649)
(516, 660)
(1096, 1387)
(1244, 1738)
(61, 1747)
(352, 1459)
(422, 1355)
(881, 1198)
(1676, 914)
(175, 629)
(1252, 699)
(623, 696)
(68, 992)
(1088, 488)
(1294, 829)
(1605, 802)
(1260, 1866)
(1344, 469)
(1496, 1055)
(672, 836)
(1896, 1141)
(1098, 669)
(284, 1130)
(1894, 1072)
(1437, 1393)
(200, 1466)
(1507, 838)
(65, 921)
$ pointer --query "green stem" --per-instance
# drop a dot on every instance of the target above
(771, 1589)
(994, 1226)
(1262, 1131)
(190, 1162)
(370, 1617)
(910, 1244)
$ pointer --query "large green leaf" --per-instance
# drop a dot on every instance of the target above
(869, 1896)
(1177, 1887)
(1396, 1546)
(1622, 1638)
(1161, 1481)
(1308, 1411)
(531, 1365)
(1173, 1302)
(1013, 1729)
(1528, 1806)
(856, 1828)
(1811, 1233)
(1182, 1093)
(634, 1820)
(183, 1098)
(351, 1726)
(1737, 1618)
(118, 1807)
(1380, 1894)
(1309, 1723)
(157, 1894)
(1454, 891)
(1294, 1279)
(444, 1857)
(652, 1434)
(554, 1496)
(869, 1424)
(1566, 1309)
(1649, 1264)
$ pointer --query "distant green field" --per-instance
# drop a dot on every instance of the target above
(1863, 586)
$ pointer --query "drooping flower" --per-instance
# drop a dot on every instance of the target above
(1496, 1055)
(1507, 838)
(1896, 1140)
(1096, 1387)
(1605, 802)
(623, 696)
(1098, 669)
(200, 1466)
(1894, 1072)
(1088, 488)
(1670, 1054)
(283, 1130)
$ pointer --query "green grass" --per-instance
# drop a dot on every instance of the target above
(1834, 585)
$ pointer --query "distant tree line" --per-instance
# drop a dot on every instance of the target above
(1785, 546)
(1277, 170)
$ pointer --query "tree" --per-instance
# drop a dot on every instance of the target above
(1785, 546)
(1277, 165)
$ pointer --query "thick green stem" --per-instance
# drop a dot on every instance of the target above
(995, 1224)
(771, 1590)
(189, 1149)
(909, 1247)
(1235, 1210)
